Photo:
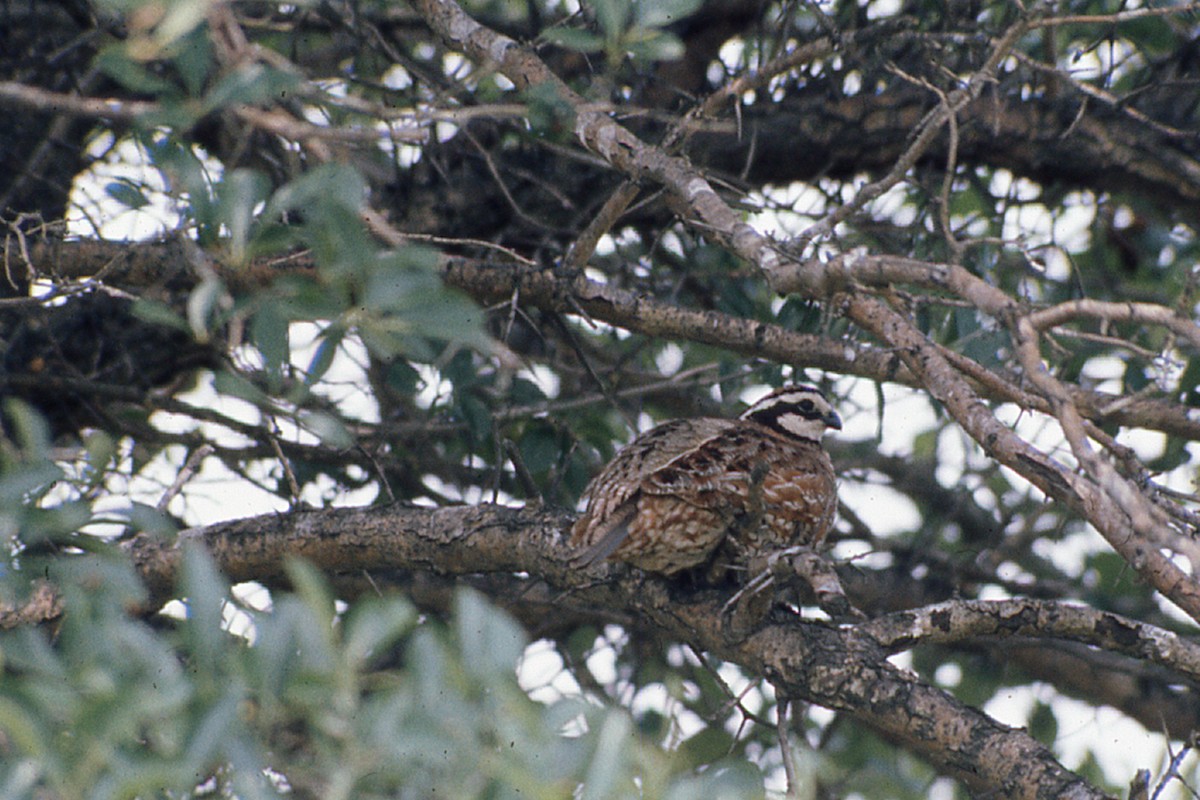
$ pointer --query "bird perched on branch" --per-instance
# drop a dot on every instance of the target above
(692, 492)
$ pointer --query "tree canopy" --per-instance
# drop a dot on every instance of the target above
(317, 317)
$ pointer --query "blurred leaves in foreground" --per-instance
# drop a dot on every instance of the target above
(308, 698)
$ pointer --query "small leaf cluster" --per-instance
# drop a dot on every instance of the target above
(628, 28)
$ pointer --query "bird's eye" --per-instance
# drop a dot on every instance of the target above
(806, 405)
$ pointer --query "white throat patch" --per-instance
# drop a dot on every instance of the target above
(802, 427)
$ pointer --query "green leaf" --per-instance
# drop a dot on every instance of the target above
(28, 427)
(1043, 724)
(924, 446)
(613, 16)
(478, 416)
(327, 348)
(540, 448)
(59, 523)
(731, 779)
(400, 282)
(491, 642)
(202, 306)
(710, 744)
(310, 586)
(328, 428)
(212, 736)
(375, 625)
(657, 13)
(237, 386)
(206, 593)
(17, 485)
(269, 330)
(656, 47)
(82, 579)
(403, 378)
(101, 449)
(251, 84)
(575, 39)
(187, 177)
(159, 313)
(25, 731)
(181, 17)
(194, 61)
(607, 773)
(550, 114)
(115, 62)
(238, 195)
(148, 519)
(325, 186)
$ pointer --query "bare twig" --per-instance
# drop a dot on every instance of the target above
(185, 474)
(923, 138)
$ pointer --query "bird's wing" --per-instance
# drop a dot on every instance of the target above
(611, 497)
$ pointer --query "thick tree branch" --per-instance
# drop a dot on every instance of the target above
(842, 668)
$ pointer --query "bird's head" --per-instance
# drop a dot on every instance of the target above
(800, 411)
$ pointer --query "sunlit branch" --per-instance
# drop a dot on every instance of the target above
(961, 620)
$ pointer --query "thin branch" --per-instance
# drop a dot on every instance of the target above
(13, 93)
(190, 466)
(1115, 18)
(960, 620)
(1099, 504)
(1147, 313)
(923, 138)
(146, 262)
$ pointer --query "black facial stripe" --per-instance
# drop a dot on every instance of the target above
(771, 414)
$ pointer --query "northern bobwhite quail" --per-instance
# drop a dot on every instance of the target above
(682, 492)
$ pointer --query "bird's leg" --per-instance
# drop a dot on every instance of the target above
(744, 612)
(814, 569)
(758, 583)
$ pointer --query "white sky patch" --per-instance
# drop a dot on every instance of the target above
(879, 9)
(852, 83)
(993, 592)
(345, 383)
(396, 77)
(1005, 183)
(671, 243)
(92, 212)
(786, 210)
(542, 674)
(669, 360)
(948, 675)
(731, 53)
(884, 510)
(895, 206)
(602, 661)
(453, 63)
(1070, 553)
(544, 378)
(1122, 745)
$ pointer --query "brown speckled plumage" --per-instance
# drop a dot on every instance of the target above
(692, 489)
